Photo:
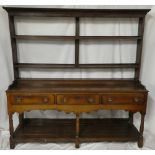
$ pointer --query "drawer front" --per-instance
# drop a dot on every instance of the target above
(33, 99)
(123, 98)
(77, 99)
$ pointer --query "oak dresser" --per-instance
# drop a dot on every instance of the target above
(76, 95)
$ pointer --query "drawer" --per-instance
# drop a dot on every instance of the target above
(33, 99)
(77, 99)
(123, 98)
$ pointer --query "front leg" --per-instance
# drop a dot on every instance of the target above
(11, 128)
(77, 143)
(140, 139)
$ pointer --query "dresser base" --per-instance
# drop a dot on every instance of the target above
(63, 130)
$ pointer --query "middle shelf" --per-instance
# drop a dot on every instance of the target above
(42, 65)
(54, 37)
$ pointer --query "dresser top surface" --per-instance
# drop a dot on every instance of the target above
(75, 85)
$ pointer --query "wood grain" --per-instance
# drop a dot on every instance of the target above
(63, 130)
(76, 95)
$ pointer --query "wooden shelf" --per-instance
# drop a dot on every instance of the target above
(63, 130)
(43, 37)
(123, 65)
(38, 65)
(87, 66)
(94, 85)
(37, 37)
(62, 12)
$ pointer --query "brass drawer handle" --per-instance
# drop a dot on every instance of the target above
(45, 100)
(18, 100)
(110, 100)
(91, 100)
(64, 100)
(136, 99)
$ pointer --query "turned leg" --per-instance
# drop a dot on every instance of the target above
(131, 117)
(11, 128)
(140, 139)
(77, 144)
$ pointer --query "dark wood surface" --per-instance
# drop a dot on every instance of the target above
(76, 85)
(54, 12)
(139, 46)
(63, 130)
(14, 46)
(45, 37)
(76, 95)
(74, 66)
(77, 14)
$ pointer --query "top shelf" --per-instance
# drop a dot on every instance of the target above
(55, 12)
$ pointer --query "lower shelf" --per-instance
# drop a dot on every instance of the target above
(63, 130)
